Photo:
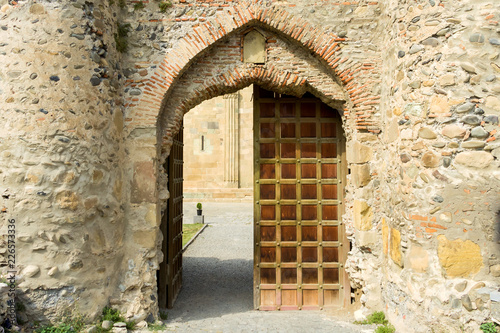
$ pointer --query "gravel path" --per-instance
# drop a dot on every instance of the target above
(217, 283)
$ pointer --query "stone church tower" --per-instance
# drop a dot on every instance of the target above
(399, 106)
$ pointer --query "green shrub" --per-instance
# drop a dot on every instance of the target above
(139, 5)
(385, 329)
(121, 37)
(112, 315)
(164, 5)
(488, 328)
(198, 205)
(375, 318)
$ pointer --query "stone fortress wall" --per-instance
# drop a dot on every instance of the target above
(86, 129)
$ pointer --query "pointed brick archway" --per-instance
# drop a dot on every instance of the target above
(357, 79)
(207, 63)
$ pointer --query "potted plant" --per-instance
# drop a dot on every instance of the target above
(198, 209)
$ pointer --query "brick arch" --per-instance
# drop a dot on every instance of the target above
(356, 78)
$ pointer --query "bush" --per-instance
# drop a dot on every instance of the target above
(164, 5)
(488, 328)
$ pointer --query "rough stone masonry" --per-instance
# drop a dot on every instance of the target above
(92, 93)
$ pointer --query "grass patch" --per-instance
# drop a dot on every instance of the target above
(156, 327)
(67, 325)
(189, 230)
(139, 5)
(378, 318)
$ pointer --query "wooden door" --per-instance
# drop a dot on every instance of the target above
(300, 243)
(170, 274)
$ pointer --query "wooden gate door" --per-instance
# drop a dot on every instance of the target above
(300, 243)
(170, 278)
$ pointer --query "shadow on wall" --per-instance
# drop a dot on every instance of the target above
(213, 288)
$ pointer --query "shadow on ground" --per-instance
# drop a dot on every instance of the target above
(213, 288)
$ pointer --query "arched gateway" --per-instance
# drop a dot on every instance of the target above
(299, 253)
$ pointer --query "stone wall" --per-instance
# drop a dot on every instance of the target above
(86, 131)
(218, 149)
(61, 152)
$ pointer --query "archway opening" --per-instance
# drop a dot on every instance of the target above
(297, 248)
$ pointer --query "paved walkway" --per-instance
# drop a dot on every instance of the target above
(217, 283)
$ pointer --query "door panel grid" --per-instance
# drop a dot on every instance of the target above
(299, 238)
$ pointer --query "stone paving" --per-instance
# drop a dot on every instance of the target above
(217, 283)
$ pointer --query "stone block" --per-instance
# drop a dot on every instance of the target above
(395, 243)
(254, 47)
(363, 215)
(430, 160)
(366, 238)
(453, 131)
(418, 259)
(68, 200)
(360, 175)
(474, 159)
(385, 237)
(439, 104)
(459, 258)
(358, 153)
(199, 219)
(144, 183)
(145, 238)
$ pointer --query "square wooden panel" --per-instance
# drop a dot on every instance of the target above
(268, 171)
(288, 191)
(331, 275)
(310, 297)
(288, 276)
(267, 297)
(287, 110)
(310, 275)
(268, 275)
(267, 191)
(330, 212)
(331, 233)
(308, 130)
(288, 212)
(288, 150)
(308, 150)
(309, 212)
(328, 112)
(309, 191)
(289, 297)
(330, 254)
(267, 130)
(308, 170)
(288, 254)
(309, 254)
(328, 150)
(267, 110)
(328, 130)
(267, 150)
(288, 171)
(308, 110)
(268, 212)
(331, 298)
(267, 254)
(328, 171)
(287, 130)
(329, 191)
(288, 233)
(267, 233)
(309, 233)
